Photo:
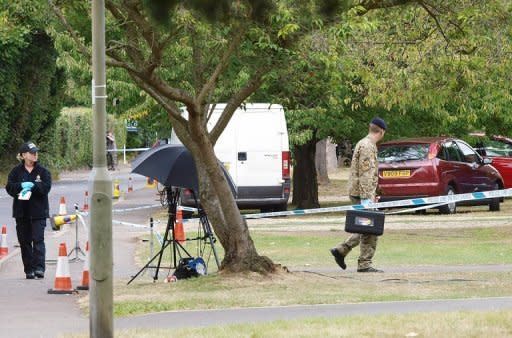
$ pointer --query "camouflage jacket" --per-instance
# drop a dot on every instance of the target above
(364, 170)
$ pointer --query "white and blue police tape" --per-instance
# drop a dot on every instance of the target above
(118, 211)
(418, 203)
(431, 201)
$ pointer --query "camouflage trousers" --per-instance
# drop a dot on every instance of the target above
(368, 245)
(367, 250)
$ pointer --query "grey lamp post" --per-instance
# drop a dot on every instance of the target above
(101, 324)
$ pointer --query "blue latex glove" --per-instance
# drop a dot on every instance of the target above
(366, 202)
(25, 194)
(27, 185)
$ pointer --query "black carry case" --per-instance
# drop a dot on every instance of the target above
(365, 222)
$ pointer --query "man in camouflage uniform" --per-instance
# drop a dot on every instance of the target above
(362, 190)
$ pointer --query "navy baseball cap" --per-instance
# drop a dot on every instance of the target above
(379, 123)
(28, 147)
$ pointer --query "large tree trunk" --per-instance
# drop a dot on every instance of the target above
(220, 206)
(321, 162)
(305, 185)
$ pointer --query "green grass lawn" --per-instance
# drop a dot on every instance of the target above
(309, 250)
(253, 290)
(492, 245)
(396, 247)
(451, 324)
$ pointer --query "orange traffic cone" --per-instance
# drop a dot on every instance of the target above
(130, 184)
(85, 273)
(62, 206)
(179, 232)
(86, 201)
(4, 249)
(62, 277)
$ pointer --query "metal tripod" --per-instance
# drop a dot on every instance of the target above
(172, 199)
(77, 249)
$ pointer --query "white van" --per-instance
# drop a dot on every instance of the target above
(254, 148)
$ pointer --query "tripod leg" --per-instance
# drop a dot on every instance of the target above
(165, 244)
(209, 235)
(158, 254)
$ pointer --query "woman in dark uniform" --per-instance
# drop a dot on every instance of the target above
(29, 184)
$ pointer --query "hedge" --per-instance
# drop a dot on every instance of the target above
(70, 144)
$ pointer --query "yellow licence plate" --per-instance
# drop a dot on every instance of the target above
(396, 173)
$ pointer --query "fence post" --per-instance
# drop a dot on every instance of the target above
(124, 153)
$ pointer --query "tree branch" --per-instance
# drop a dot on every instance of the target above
(115, 60)
(169, 92)
(235, 102)
(233, 45)
(169, 106)
(438, 24)
(378, 4)
(81, 46)
(150, 35)
(197, 59)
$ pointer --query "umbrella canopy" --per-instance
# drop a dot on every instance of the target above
(173, 166)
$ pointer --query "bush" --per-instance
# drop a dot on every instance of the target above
(70, 143)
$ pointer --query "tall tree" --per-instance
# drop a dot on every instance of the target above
(192, 54)
(31, 84)
(430, 69)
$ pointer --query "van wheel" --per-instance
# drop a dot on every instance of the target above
(449, 208)
(494, 205)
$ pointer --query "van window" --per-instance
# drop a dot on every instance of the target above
(402, 152)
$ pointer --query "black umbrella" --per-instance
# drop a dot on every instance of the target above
(173, 166)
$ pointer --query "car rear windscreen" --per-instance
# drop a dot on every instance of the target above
(402, 152)
(496, 148)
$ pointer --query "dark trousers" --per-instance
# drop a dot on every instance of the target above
(31, 237)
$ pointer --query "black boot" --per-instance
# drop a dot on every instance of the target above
(370, 269)
(339, 258)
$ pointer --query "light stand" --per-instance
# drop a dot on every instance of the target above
(77, 248)
(172, 198)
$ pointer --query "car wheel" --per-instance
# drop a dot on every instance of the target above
(275, 208)
(281, 207)
(494, 205)
(449, 208)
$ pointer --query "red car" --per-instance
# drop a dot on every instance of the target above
(499, 148)
(435, 166)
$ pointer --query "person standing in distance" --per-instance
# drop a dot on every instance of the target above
(111, 151)
(362, 190)
(29, 184)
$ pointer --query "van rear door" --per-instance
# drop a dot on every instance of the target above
(259, 147)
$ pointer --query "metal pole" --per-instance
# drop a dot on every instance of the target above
(151, 238)
(101, 323)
